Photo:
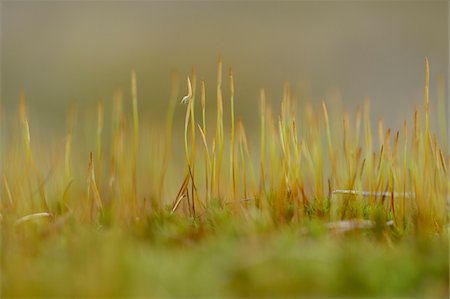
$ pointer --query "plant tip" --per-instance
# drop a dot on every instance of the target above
(188, 97)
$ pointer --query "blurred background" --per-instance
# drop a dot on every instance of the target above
(78, 52)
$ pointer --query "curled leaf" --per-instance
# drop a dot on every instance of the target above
(186, 99)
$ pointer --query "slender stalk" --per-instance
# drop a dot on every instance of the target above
(168, 142)
(135, 131)
(219, 128)
(203, 133)
(426, 105)
(193, 140)
(263, 140)
(233, 176)
(68, 145)
(99, 138)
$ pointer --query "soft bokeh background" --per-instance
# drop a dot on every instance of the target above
(78, 52)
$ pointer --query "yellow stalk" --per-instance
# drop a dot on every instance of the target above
(442, 111)
(244, 170)
(397, 135)
(203, 133)
(263, 139)
(327, 125)
(426, 104)
(249, 158)
(233, 177)
(347, 151)
(442, 160)
(8, 190)
(219, 127)
(67, 154)
(117, 140)
(284, 161)
(203, 102)
(380, 131)
(405, 148)
(358, 124)
(25, 127)
(92, 185)
(368, 145)
(281, 135)
(213, 166)
(297, 155)
(30, 164)
(68, 146)
(241, 137)
(416, 128)
(168, 144)
(273, 148)
(136, 132)
(330, 144)
(387, 139)
(193, 139)
(190, 157)
(186, 127)
(135, 110)
(99, 138)
(207, 162)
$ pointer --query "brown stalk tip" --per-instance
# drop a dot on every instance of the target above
(133, 83)
(203, 94)
(91, 160)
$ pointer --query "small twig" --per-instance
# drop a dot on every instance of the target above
(32, 216)
(346, 225)
(180, 193)
(409, 195)
(349, 225)
(376, 194)
(241, 200)
(177, 203)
